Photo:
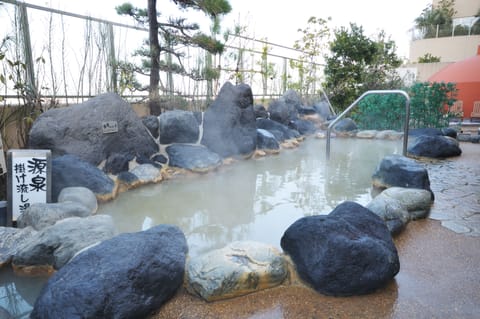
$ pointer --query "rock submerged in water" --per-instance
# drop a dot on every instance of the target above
(128, 276)
(235, 270)
(348, 252)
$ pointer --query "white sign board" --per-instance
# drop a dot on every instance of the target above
(29, 175)
(110, 127)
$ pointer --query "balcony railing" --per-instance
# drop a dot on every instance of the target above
(446, 30)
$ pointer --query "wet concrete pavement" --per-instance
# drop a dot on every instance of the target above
(439, 257)
(456, 184)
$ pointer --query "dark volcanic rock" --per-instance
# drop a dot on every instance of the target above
(192, 157)
(348, 252)
(266, 140)
(282, 112)
(229, 127)
(304, 127)
(435, 147)
(345, 125)
(178, 127)
(151, 123)
(280, 131)
(260, 112)
(128, 276)
(78, 130)
(397, 170)
(69, 170)
(117, 163)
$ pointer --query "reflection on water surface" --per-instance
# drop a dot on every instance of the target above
(255, 199)
(248, 200)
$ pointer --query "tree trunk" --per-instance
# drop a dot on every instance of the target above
(154, 95)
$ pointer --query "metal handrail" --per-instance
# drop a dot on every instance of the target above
(407, 116)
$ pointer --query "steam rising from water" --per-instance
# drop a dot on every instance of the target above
(255, 199)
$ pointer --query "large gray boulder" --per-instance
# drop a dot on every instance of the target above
(401, 171)
(178, 126)
(195, 158)
(128, 276)
(235, 270)
(435, 147)
(41, 215)
(52, 247)
(348, 252)
(78, 130)
(229, 122)
(11, 239)
(71, 171)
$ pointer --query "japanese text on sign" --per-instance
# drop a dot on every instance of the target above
(29, 176)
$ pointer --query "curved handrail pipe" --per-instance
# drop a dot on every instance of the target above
(407, 116)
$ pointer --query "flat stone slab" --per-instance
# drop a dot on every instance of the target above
(235, 270)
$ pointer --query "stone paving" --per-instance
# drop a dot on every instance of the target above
(456, 185)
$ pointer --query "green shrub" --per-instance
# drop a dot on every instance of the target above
(429, 104)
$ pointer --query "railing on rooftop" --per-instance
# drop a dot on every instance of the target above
(470, 28)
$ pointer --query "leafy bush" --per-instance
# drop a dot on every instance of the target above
(429, 107)
(428, 58)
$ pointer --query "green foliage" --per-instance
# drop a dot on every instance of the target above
(441, 15)
(208, 43)
(428, 58)
(267, 69)
(429, 107)
(313, 42)
(357, 64)
(174, 34)
(430, 103)
(381, 112)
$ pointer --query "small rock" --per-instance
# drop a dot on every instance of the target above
(81, 195)
(196, 158)
(237, 269)
(147, 173)
(367, 134)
